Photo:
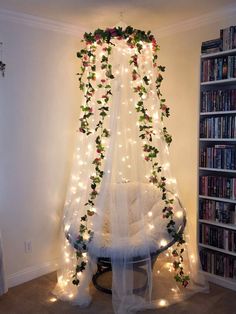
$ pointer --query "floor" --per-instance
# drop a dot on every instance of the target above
(34, 297)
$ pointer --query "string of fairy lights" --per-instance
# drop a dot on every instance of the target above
(98, 78)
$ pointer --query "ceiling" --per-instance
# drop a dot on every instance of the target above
(102, 13)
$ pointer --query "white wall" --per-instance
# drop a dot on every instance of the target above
(180, 53)
(38, 113)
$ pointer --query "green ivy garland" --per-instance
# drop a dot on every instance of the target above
(134, 39)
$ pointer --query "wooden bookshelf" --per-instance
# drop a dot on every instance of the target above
(224, 153)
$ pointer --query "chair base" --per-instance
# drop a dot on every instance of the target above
(104, 266)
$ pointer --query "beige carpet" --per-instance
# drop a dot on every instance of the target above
(34, 297)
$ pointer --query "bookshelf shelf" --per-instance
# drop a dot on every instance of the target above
(217, 139)
(219, 224)
(218, 54)
(220, 82)
(225, 282)
(210, 247)
(220, 199)
(212, 113)
(217, 153)
(217, 170)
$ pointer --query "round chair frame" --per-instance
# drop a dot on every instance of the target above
(104, 264)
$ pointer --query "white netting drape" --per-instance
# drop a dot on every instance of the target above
(128, 224)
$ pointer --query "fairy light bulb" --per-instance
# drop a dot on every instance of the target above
(192, 257)
(155, 116)
(67, 227)
(150, 214)
(53, 300)
(179, 214)
(163, 302)
(151, 226)
(84, 254)
(163, 242)
(166, 166)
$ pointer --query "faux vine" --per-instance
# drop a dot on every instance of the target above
(135, 39)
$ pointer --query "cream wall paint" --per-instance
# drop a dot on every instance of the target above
(180, 53)
(38, 113)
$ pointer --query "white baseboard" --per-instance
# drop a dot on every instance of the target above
(32, 272)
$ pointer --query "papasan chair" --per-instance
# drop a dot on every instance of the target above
(142, 198)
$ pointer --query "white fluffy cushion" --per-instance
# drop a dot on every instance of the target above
(137, 233)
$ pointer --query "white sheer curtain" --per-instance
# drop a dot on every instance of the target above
(128, 223)
(3, 284)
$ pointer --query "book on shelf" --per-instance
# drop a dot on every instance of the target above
(218, 127)
(218, 186)
(226, 41)
(217, 211)
(218, 157)
(211, 46)
(217, 237)
(219, 68)
(228, 38)
(217, 263)
(218, 100)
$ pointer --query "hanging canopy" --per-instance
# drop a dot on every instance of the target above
(122, 200)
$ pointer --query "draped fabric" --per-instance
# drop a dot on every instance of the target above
(3, 284)
(128, 224)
